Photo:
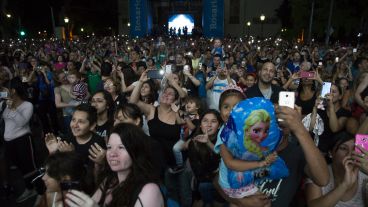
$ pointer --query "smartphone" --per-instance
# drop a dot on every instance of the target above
(24, 79)
(3, 94)
(155, 74)
(168, 69)
(200, 66)
(67, 185)
(287, 98)
(336, 59)
(354, 50)
(222, 64)
(307, 74)
(320, 63)
(326, 89)
(361, 140)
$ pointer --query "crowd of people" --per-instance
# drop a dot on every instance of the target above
(114, 121)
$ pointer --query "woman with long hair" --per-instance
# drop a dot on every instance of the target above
(203, 160)
(17, 134)
(129, 179)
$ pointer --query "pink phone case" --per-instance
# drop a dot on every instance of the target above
(361, 140)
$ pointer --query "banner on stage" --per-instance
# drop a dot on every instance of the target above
(213, 18)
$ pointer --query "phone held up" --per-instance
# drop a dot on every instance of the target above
(326, 89)
(69, 185)
(286, 98)
(362, 141)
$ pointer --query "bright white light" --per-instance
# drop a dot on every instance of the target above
(180, 21)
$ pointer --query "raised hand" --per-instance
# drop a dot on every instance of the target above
(96, 153)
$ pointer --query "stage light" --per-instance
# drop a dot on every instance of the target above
(181, 21)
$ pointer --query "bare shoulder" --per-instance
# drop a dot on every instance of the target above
(151, 196)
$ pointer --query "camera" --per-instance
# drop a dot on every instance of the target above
(68, 185)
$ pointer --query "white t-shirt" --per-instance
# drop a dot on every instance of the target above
(17, 121)
(217, 88)
(356, 200)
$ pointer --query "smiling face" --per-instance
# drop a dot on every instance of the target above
(259, 131)
(250, 81)
(117, 155)
(210, 124)
(80, 125)
(267, 73)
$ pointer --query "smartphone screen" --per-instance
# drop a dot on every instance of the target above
(222, 64)
(168, 69)
(354, 50)
(3, 94)
(326, 88)
(361, 140)
(155, 74)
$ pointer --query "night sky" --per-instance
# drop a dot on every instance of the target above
(90, 14)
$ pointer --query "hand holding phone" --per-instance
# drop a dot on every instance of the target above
(307, 74)
(69, 185)
(155, 74)
(326, 89)
(286, 98)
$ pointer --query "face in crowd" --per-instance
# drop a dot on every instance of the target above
(267, 73)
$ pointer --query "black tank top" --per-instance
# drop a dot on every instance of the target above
(307, 105)
(166, 134)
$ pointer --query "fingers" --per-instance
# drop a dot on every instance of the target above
(76, 198)
(364, 151)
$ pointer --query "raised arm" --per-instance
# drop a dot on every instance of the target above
(316, 166)
(147, 109)
(361, 87)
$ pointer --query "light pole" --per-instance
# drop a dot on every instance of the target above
(66, 20)
(262, 18)
(248, 26)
